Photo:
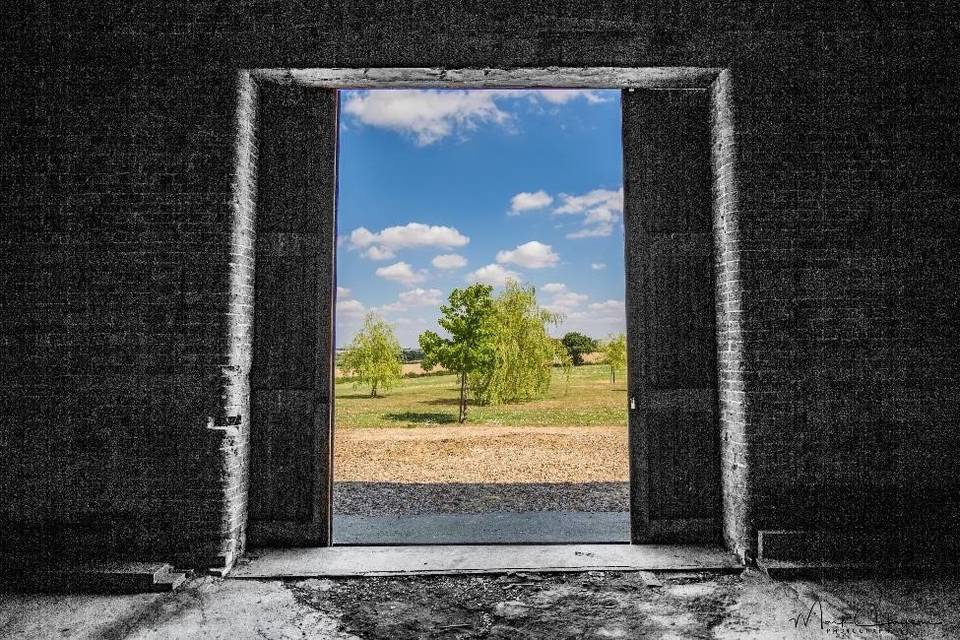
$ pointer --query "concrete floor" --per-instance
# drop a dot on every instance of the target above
(483, 528)
(518, 606)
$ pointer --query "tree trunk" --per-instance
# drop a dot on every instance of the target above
(613, 376)
(373, 390)
(463, 397)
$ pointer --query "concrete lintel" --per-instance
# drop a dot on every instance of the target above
(526, 78)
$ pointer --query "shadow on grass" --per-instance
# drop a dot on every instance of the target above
(360, 396)
(422, 418)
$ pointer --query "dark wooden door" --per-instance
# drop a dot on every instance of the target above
(291, 391)
(671, 317)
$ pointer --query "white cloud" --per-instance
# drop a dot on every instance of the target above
(430, 115)
(415, 234)
(362, 237)
(346, 306)
(571, 304)
(402, 272)
(599, 215)
(600, 209)
(567, 302)
(420, 297)
(350, 308)
(591, 199)
(449, 261)
(597, 319)
(554, 287)
(608, 306)
(492, 274)
(563, 96)
(598, 231)
(413, 298)
(529, 201)
(377, 252)
(385, 244)
(533, 255)
(427, 115)
(598, 266)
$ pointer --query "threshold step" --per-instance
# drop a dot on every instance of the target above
(355, 561)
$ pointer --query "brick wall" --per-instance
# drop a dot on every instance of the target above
(846, 236)
(234, 416)
(116, 232)
(729, 299)
(125, 260)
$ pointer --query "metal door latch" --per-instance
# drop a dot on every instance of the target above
(633, 403)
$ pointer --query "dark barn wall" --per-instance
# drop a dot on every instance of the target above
(849, 229)
(124, 422)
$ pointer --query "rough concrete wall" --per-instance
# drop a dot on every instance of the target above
(118, 182)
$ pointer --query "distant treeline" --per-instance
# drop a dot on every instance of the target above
(406, 355)
(408, 374)
(412, 355)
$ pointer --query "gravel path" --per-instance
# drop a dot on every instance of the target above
(383, 498)
(480, 469)
(482, 454)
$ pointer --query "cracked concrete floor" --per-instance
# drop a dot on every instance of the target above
(515, 606)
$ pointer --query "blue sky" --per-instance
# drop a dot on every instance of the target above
(438, 189)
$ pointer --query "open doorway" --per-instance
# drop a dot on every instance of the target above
(480, 374)
(681, 306)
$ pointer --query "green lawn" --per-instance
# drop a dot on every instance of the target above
(590, 401)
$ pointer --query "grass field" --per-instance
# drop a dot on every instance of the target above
(590, 400)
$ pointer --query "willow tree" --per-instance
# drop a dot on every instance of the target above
(523, 350)
(563, 360)
(468, 351)
(615, 355)
(374, 357)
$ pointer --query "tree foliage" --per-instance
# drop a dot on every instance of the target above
(615, 354)
(468, 351)
(498, 347)
(412, 355)
(523, 350)
(374, 357)
(577, 345)
(562, 359)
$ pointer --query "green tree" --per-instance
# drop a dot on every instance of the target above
(374, 357)
(615, 355)
(468, 352)
(523, 350)
(562, 359)
(577, 345)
